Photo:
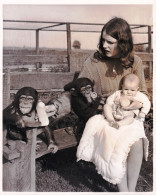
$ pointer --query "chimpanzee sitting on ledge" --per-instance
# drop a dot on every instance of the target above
(21, 115)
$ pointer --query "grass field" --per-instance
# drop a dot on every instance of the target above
(61, 173)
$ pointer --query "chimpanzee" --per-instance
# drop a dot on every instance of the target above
(84, 101)
(21, 115)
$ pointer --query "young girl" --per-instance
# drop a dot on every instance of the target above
(117, 157)
(115, 107)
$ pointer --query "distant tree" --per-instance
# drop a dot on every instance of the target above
(76, 44)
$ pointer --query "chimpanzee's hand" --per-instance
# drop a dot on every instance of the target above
(89, 99)
(53, 147)
(20, 123)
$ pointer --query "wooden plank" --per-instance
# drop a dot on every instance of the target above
(10, 154)
(6, 88)
(32, 59)
(37, 42)
(10, 176)
(57, 56)
(20, 66)
(68, 44)
(40, 80)
(40, 90)
(150, 70)
(32, 51)
(64, 138)
(149, 39)
(146, 57)
(19, 173)
(32, 159)
(32, 67)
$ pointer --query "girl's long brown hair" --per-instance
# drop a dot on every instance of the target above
(119, 29)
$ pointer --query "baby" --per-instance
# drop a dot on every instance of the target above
(115, 107)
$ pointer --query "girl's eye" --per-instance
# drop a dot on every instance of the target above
(110, 42)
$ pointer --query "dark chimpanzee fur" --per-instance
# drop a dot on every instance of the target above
(21, 115)
(12, 115)
(83, 108)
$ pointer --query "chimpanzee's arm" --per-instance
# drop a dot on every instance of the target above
(10, 116)
(83, 109)
(48, 135)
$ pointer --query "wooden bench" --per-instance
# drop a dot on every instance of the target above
(19, 158)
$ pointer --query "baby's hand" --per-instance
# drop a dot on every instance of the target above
(118, 114)
(141, 117)
(114, 124)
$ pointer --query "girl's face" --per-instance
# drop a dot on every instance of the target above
(110, 45)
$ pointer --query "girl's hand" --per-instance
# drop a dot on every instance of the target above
(134, 105)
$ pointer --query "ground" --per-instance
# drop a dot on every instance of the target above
(61, 173)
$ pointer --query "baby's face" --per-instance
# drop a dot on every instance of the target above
(130, 88)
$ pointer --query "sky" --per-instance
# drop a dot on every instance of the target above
(134, 14)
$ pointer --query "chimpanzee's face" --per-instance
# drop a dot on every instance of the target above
(86, 90)
(26, 104)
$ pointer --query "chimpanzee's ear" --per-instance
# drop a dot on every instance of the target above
(73, 92)
(72, 89)
(69, 86)
(93, 83)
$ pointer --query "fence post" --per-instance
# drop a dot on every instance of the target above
(37, 42)
(150, 50)
(149, 39)
(19, 164)
(6, 88)
(68, 44)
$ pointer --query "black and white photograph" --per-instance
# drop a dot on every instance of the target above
(77, 97)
